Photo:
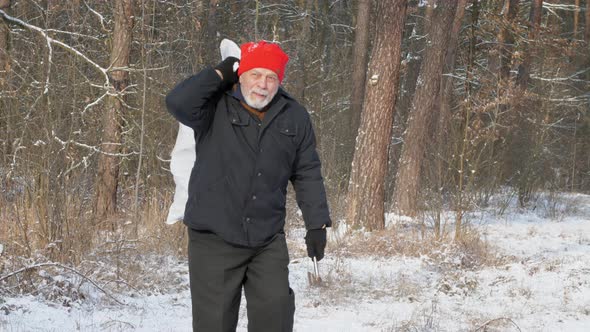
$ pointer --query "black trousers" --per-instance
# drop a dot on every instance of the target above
(219, 270)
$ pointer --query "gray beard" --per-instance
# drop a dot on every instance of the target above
(257, 105)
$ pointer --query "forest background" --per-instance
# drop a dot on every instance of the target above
(419, 109)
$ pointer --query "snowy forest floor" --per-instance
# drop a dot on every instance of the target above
(522, 270)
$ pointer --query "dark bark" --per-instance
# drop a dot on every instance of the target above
(210, 41)
(524, 69)
(366, 186)
(523, 157)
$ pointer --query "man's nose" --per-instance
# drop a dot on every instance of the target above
(262, 83)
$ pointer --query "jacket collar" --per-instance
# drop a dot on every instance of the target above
(273, 109)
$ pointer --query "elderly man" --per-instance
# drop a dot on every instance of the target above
(251, 139)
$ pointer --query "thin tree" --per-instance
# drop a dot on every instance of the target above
(302, 57)
(444, 114)
(4, 70)
(446, 89)
(412, 62)
(525, 156)
(359, 63)
(417, 134)
(419, 16)
(576, 18)
(107, 179)
(366, 186)
(4, 43)
(500, 64)
(524, 68)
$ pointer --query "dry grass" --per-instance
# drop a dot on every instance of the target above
(120, 257)
(123, 257)
(403, 240)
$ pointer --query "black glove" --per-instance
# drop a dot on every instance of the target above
(228, 70)
(316, 242)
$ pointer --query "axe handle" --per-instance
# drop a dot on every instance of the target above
(315, 267)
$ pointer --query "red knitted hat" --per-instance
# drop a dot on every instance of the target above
(263, 55)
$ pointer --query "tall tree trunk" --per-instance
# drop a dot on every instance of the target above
(576, 18)
(413, 62)
(444, 114)
(527, 178)
(196, 33)
(210, 41)
(4, 47)
(524, 68)
(302, 50)
(359, 63)
(417, 134)
(366, 186)
(501, 61)
(446, 89)
(587, 23)
(408, 79)
(4, 70)
(108, 162)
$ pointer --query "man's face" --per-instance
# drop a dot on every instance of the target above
(259, 86)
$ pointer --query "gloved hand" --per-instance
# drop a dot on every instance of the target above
(315, 239)
(229, 69)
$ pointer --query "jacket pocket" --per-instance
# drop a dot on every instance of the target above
(288, 131)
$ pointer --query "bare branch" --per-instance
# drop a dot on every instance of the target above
(72, 33)
(50, 41)
(94, 103)
(100, 17)
(548, 5)
(90, 147)
(36, 266)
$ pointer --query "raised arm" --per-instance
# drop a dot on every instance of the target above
(192, 101)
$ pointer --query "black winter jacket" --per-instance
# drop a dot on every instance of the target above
(238, 191)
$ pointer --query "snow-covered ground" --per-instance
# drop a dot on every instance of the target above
(541, 282)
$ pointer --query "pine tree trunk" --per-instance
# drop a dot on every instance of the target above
(366, 186)
(413, 62)
(108, 164)
(417, 134)
(408, 81)
(359, 63)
